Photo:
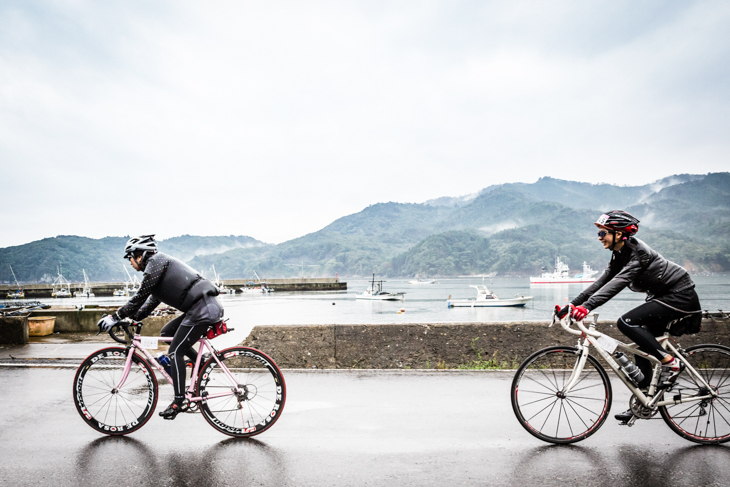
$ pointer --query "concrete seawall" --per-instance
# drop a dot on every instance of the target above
(423, 346)
(382, 346)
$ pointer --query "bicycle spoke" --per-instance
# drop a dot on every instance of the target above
(553, 391)
(586, 387)
(695, 406)
(580, 405)
(543, 409)
(549, 413)
(576, 413)
(552, 394)
(714, 408)
(588, 398)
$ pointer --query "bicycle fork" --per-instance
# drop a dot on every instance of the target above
(577, 370)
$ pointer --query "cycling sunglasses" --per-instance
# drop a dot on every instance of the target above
(602, 233)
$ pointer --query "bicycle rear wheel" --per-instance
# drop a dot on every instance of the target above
(261, 397)
(548, 414)
(105, 408)
(705, 421)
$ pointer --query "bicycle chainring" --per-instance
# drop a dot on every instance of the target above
(641, 411)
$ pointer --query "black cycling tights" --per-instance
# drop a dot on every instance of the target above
(184, 337)
(642, 325)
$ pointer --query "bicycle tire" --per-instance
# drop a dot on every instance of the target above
(257, 408)
(712, 362)
(547, 371)
(103, 407)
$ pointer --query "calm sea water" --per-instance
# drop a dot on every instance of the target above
(424, 303)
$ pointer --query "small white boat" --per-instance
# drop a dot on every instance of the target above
(375, 293)
(252, 288)
(487, 299)
(86, 292)
(18, 293)
(118, 293)
(422, 281)
(218, 282)
(561, 275)
(61, 287)
(258, 287)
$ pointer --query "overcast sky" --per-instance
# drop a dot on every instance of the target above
(272, 119)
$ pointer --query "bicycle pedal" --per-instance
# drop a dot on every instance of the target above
(192, 408)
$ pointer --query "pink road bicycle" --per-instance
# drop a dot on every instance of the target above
(240, 391)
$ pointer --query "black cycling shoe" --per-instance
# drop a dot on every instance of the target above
(625, 416)
(173, 409)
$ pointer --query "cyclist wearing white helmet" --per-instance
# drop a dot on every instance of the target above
(170, 281)
(671, 298)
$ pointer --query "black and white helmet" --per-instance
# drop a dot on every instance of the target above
(145, 243)
(618, 220)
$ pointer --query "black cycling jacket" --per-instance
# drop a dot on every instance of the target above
(170, 281)
(640, 268)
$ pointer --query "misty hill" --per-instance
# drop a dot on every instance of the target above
(511, 228)
(523, 227)
(577, 195)
(101, 258)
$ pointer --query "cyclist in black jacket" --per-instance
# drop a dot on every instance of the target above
(170, 281)
(670, 294)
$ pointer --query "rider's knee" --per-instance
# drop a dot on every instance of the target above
(622, 325)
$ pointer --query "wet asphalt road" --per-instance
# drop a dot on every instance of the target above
(341, 428)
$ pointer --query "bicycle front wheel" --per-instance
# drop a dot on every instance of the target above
(706, 421)
(549, 414)
(246, 397)
(106, 408)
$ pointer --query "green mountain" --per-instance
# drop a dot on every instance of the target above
(524, 227)
(101, 258)
(511, 228)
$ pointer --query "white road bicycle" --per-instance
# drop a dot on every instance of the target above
(563, 394)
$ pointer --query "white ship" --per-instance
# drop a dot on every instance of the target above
(487, 299)
(561, 275)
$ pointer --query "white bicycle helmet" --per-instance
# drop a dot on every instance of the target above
(145, 243)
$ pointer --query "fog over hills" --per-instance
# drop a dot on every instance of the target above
(512, 228)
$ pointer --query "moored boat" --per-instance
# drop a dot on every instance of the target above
(375, 292)
(422, 281)
(487, 299)
(61, 287)
(18, 293)
(86, 292)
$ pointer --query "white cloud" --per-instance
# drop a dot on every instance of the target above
(272, 120)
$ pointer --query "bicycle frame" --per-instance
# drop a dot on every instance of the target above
(137, 346)
(651, 399)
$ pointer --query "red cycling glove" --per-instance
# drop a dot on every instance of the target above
(561, 312)
(579, 313)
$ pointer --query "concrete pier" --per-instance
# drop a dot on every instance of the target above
(34, 291)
